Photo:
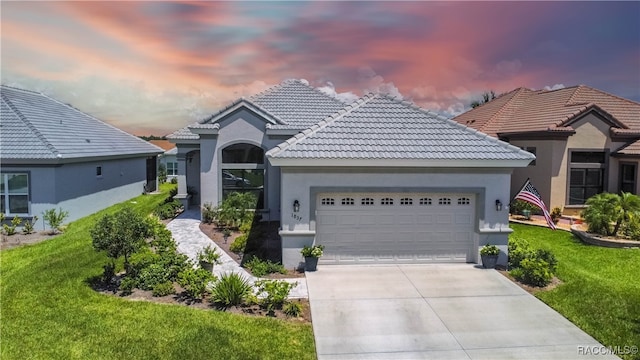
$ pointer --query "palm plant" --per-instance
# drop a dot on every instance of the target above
(628, 204)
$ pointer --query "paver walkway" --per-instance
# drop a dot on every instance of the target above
(186, 232)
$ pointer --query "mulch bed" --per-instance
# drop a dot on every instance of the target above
(18, 239)
(268, 245)
(555, 282)
(180, 298)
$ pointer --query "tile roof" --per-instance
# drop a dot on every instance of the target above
(292, 104)
(631, 149)
(381, 127)
(34, 127)
(525, 110)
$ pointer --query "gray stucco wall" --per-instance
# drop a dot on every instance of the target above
(492, 227)
(76, 188)
(240, 127)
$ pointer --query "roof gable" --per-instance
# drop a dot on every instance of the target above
(381, 128)
(36, 127)
(292, 104)
(524, 110)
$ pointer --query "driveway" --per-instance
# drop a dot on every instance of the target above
(444, 311)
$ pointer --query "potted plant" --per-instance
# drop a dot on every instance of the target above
(556, 214)
(489, 254)
(311, 255)
(208, 257)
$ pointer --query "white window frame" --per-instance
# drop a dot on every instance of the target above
(172, 168)
(5, 191)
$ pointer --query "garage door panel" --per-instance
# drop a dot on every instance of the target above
(414, 231)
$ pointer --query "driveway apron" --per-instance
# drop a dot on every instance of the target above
(443, 311)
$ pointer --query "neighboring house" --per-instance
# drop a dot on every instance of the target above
(55, 156)
(376, 181)
(586, 141)
(168, 158)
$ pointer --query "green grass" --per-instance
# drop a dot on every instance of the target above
(601, 289)
(47, 311)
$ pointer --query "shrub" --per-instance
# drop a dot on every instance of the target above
(108, 273)
(174, 181)
(239, 244)
(292, 309)
(518, 206)
(11, 229)
(208, 213)
(121, 234)
(173, 191)
(519, 249)
(631, 229)
(275, 293)
(195, 282)
(127, 285)
(209, 255)
(28, 226)
(556, 214)
(168, 210)
(548, 257)
(151, 275)
(534, 271)
(235, 209)
(162, 173)
(55, 219)
(490, 250)
(163, 289)
(231, 290)
(607, 213)
(261, 268)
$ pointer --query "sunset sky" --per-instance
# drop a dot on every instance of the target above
(153, 67)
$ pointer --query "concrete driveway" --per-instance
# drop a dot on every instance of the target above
(449, 311)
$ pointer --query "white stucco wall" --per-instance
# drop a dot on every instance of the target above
(303, 184)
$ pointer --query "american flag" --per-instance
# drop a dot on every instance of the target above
(529, 194)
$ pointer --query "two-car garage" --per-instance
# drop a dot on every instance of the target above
(395, 227)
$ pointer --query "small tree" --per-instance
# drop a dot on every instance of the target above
(121, 234)
(486, 97)
(55, 219)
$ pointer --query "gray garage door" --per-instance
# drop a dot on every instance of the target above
(395, 227)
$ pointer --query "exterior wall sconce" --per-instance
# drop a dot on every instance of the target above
(296, 206)
(498, 205)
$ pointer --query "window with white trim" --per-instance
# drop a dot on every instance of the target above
(406, 201)
(172, 168)
(328, 201)
(425, 201)
(464, 201)
(243, 171)
(444, 201)
(14, 193)
(366, 201)
(348, 201)
(386, 201)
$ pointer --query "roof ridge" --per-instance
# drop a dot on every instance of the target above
(584, 87)
(323, 123)
(496, 116)
(23, 90)
(295, 81)
(100, 121)
(28, 123)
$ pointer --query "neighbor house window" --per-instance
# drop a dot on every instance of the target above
(243, 170)
(587, 171)
(628, 177)
(172, 168)
(533, 150)
(99, 171)
(14, 193)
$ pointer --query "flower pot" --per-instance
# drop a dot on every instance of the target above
(310, 263)
(526, 214)
(207, 266)
(489, 261)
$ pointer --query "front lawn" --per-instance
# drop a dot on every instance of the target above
(601, 290)
(48, 311)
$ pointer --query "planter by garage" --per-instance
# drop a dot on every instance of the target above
(489, 261)
(310, 263)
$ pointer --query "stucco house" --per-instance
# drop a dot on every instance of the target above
(586, 141)
(375, 181)
(168, 157)
(55, 156)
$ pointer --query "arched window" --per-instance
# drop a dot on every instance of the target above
(243, 170)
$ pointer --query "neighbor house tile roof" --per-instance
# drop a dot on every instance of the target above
(34, 127)
(290, 105)
(632, 149)
(524, 110)
(381, 127)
